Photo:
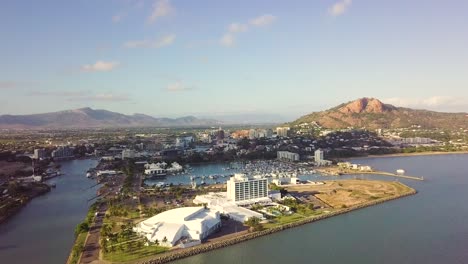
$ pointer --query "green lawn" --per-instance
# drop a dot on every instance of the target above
(134, 254)
(286, 219)
(80, 240)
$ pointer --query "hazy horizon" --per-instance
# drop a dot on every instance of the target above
(172, 58)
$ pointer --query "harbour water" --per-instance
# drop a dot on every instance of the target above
(42, 231)
(430, 227)
(221, 173)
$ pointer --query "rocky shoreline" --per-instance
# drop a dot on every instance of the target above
(183, 253)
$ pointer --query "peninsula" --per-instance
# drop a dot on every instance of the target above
(161, 224)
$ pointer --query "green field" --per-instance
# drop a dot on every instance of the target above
(134, 254)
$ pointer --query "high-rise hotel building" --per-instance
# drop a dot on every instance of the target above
(242, 188)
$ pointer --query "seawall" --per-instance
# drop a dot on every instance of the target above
(183, 253)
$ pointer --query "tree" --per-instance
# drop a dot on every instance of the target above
(82, 227)
(164, 240)
(254, 223)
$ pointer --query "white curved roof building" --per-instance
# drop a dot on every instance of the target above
(192, 223)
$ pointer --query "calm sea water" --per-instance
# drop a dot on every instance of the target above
(42, 232)
(430, 227)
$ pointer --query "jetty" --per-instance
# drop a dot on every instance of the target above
(384, 173)
(336, 171)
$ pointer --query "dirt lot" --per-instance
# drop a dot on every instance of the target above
(343, 193)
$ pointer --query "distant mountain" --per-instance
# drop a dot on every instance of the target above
(371, 113)
(92, 118)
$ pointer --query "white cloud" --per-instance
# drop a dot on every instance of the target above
(237, 27)
(263, 20)
(159, 43)
(178, 87)
(433, 102)
(100, 66)
(161, 8)
(228, 40)
(339, 8)
(229, 37)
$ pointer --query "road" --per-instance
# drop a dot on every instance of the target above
(91, 249)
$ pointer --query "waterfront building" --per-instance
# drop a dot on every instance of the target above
(62, 152)
(319, 158)
(243, 188)
(220, 202)
(128, 154)
(185, 226)
(282, 131)
(286, 155)
(106, 173)
(39, 154)
(155, 170)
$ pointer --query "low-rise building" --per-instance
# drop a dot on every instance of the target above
(220, 202)
(128, 154)
(180, 225)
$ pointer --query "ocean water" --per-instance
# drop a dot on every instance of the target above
(430, 227)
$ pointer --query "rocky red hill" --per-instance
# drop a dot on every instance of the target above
(371, 113)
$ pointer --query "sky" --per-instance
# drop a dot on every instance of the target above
(215, 58)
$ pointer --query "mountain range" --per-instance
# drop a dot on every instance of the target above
(92, 118)
(371, 113)
(365, 112)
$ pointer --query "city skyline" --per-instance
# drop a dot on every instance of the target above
(176, 58)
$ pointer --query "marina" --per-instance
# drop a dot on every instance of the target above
(217, 173)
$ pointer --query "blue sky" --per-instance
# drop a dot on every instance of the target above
(214, 58)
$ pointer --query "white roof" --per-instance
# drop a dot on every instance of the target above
(175, 223)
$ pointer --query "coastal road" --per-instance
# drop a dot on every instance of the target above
(91, 249)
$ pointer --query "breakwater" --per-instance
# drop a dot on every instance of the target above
(183, 253)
